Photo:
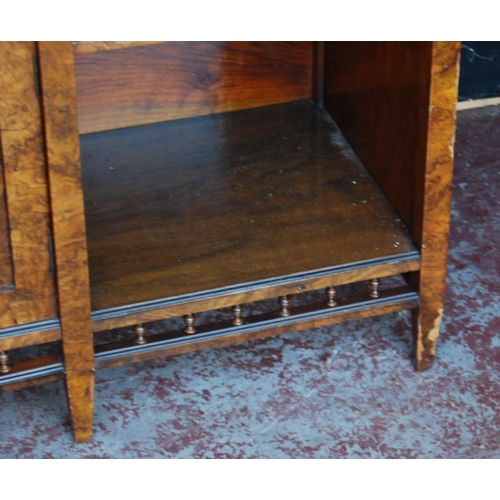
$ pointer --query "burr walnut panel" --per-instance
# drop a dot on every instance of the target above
(27, 289)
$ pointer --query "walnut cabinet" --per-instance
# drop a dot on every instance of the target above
(142, 181)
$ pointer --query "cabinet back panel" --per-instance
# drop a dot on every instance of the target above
(173, 80)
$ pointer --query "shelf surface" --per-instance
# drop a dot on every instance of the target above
(224, 200)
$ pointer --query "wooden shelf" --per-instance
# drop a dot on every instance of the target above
(227, 201)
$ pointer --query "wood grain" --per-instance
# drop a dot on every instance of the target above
(433, 197)
(169, 81)
(63, 155)
(378, 93)
(228, 201)
(91, 47)
(24, 205)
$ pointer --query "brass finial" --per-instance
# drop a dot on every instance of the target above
(238, 320)
(189, 319)
(331, 293)
(4, 363)
(140, 332)
(285, 302)
(374, 287)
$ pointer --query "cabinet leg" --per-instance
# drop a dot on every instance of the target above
(57, 72)
(80, 392)
(425, 324)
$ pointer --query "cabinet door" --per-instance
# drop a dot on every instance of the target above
(27, 285)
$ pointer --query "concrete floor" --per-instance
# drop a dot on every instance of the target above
(345, 391)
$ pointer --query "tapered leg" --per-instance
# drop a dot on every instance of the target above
(80, 391)
(68, 225)
(432, 203)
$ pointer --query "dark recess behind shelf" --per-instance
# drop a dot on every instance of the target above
(479, 70)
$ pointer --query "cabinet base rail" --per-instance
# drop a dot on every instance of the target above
(286, 318)
(32, 372)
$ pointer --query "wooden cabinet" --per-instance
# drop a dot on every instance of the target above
(192, 177)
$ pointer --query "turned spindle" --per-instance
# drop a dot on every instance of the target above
(238, 320)
(331, 293)
(140, 332)
(374, 288)
(285, 301)
(189, 319)
(4, 362)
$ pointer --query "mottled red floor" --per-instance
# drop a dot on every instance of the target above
(347, 390)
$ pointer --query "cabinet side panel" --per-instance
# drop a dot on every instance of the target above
(378, 93)
(172, 80)
(396, 103)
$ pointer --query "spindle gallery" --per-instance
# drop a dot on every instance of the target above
(146, 181)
